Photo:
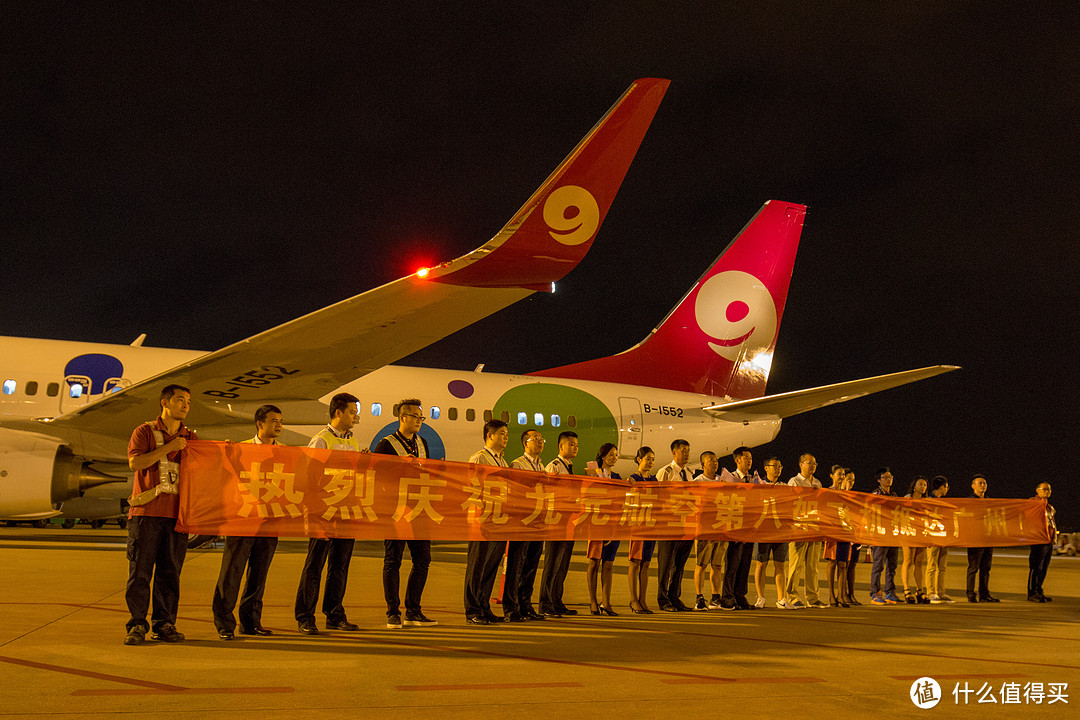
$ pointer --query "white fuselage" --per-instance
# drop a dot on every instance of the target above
(37, 382)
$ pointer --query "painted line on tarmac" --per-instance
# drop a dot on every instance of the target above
(491, 686)
(148, 684)
(187, 691)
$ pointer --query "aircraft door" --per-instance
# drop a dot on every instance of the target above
(630, 426)
(74, 393)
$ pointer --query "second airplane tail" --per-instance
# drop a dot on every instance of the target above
(719, 339)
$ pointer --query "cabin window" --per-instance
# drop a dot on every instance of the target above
(376, 409)
(451, 413)
(76, 390)
(435, 412)
(523, 418)
(52, 389)
(9, 387)
(538, 419)
(397, 407)
(556, 421)
(571, 421)
(505, 416)
(470, 415)
(487, 416)
(31, 387)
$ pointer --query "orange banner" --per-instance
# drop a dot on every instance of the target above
(274, 490)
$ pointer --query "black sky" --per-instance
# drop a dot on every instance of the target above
(205, 172)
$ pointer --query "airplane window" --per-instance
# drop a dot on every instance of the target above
(52, 389)
(451, 413)
(470, 415)
(505, 417)
(435, 412)
(376, 409)
(359, 405)
(487, 416)
(523, 418)
(538, 419)
(556, 421)
(9, 387)
(571, 421)
(396, 408)
(76, 390)
(31, 387)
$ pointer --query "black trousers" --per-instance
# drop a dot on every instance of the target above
(155, 553)
(420, 552)
(481, 571)
(669, 569)
(255, 554)
(737, 571)
(339, 553)
(557, 554)
(1038, 564)
(522, 561)
(979, 560)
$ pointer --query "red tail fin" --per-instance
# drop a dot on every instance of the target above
(719, 339)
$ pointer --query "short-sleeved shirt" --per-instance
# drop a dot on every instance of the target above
(488, 457)
(673, 472)
(142, 441)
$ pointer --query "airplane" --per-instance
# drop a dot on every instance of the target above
(700, 374)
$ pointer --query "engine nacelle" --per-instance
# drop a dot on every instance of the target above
(38, 473)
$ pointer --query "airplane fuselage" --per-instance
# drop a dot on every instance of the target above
(46, 378)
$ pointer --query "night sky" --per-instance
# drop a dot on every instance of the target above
(204, 173)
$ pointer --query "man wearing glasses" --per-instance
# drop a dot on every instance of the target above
(777, 550)
(804, 555)
(406, 442)
(523, 556)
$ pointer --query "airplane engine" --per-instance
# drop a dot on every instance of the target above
(38, 473)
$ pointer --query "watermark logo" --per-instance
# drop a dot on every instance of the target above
(925, 693)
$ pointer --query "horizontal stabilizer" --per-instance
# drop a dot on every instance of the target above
(799, 401)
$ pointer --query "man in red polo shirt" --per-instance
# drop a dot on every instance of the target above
(155, 550)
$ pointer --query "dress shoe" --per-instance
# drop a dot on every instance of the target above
(225, 634)
(669, 608)
(135, 636)
(257, 630)
(308, 627)
(1047, 598)
(533, 615)
(1036, 598)
(476, 621)
(515, 617)
(972, 599)
(167, 633)
(988, 598)
(343, 625)
(494, 619)
(567, 611)
(550, 613)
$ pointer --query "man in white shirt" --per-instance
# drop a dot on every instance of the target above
(252, 553)
(804, 556)
(523, 556)
(673, 553)
(334, 553)
(710, 554)
(739, 554)
(485, 556)
(557, 553)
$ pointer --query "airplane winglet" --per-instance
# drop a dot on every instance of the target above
(555, 228)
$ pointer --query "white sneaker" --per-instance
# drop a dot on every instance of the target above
(760, 603)
(783, 604)
(946, 599)
(936, 600)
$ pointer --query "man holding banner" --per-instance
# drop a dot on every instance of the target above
(337, 435)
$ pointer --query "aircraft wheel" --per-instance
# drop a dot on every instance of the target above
(122, 522)
(68, 524)
(41, 523)
(97, 524)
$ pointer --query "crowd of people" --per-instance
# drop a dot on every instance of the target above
(156, 551)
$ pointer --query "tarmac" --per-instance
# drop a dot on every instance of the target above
(62, 655)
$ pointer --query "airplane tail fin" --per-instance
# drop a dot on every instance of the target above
(555, 227)
(719, 339)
